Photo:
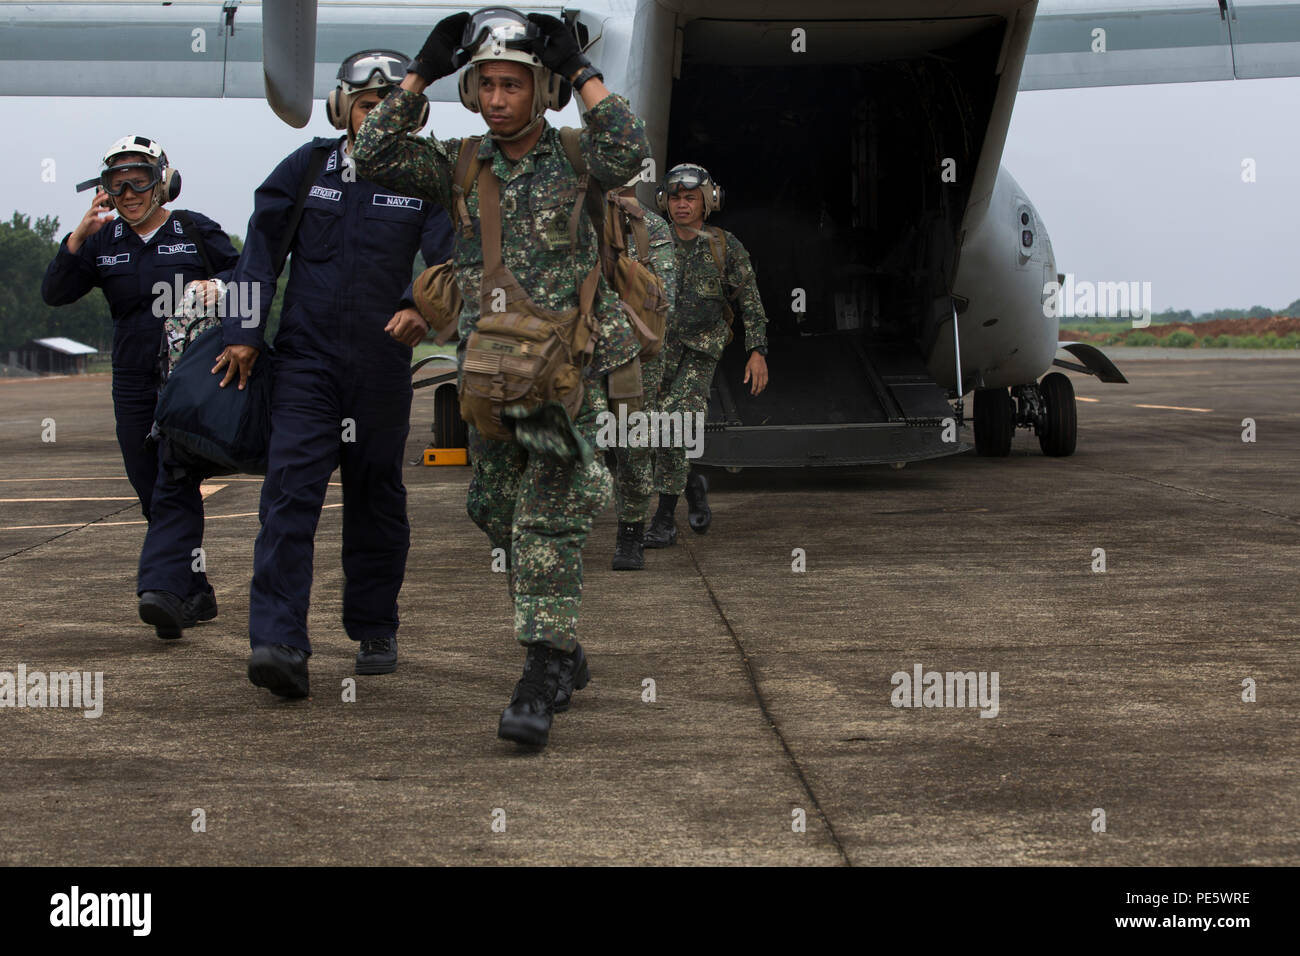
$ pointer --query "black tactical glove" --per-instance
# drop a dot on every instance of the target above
(559, 51)
(441, 54)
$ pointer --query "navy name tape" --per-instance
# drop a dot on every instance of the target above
(113, 260)
(177, 247)
(404, 202)
(333, 195)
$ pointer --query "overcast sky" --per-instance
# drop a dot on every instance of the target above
(1134, 183)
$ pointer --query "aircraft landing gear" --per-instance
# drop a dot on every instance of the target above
(449, 429)
(1048, 407)
(995, 422)
(1058, 426)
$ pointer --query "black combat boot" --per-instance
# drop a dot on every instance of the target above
(629, 548)
(377, 655)
(527, 718)
(663, 527)
(199, 607)
(574, 675)
(165, 611)
(698, 513)
(280, 668)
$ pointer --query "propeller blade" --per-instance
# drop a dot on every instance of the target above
(289, 58)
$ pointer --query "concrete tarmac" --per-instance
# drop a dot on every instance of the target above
(767, 735)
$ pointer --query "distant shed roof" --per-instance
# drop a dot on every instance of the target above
(66, 346)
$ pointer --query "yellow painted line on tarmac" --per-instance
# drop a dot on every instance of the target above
(1080, 398)
(1176, 408)
(44, 527)
(14, 501)
(106, 478)
(205, 490)
(333, 484)
(119, 524)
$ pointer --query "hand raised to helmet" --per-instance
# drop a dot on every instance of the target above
(441, 54)
(558, 49)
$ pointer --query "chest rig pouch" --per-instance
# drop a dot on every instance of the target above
(521, 354)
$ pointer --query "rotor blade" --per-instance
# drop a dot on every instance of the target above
(289, 57)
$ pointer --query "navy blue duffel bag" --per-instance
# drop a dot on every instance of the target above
(214, 430)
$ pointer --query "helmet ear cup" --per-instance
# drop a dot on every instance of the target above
(468, 86)
(661, 200)
(556, 92)
(712, 198)
(171, 185)
(424, 116)
(336, 108)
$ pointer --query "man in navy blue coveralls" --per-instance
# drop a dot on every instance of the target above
(130, 257)
(342, 387)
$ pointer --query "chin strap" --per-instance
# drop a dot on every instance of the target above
(147, 213)
(145, 218)
(537, 120)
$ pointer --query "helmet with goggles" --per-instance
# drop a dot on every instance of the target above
(380, 70)
(504, 35)
(152, 173)
(685, 177)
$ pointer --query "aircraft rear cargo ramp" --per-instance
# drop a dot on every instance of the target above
(841, 401)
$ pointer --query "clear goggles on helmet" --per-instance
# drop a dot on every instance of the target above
(684, 179)
(502, 25)
(359, 70)
(132, 179)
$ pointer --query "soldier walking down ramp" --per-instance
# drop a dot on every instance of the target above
(526, 266)
(713, 274)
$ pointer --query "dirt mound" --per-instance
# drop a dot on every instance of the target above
(1278, 324)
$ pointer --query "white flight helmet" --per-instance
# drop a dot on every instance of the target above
(165, 181)
(503, 35)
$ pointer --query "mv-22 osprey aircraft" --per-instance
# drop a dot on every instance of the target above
(859, 142)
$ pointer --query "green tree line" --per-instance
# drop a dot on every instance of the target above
(26, 248)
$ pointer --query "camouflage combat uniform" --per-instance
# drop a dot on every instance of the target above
(699, 335)
(538, 510)
(634, 476)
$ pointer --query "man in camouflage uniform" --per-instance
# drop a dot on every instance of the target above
(634, 474)
(699, 333)
(536, 496)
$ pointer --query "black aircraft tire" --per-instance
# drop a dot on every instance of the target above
(449, 429)
(1062, 433)
(994, 422)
